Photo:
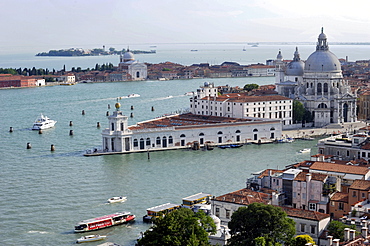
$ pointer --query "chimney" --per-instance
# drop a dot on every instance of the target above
(336, 242)
(352, 235)
(330, 240)
(308, 177)
(346, 234)
(364, 231)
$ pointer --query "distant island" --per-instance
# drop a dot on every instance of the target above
(91, 52)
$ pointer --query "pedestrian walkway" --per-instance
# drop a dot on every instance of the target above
(331, 129)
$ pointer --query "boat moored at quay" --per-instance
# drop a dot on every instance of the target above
(104, 221)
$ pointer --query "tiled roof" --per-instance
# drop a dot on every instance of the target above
(188, 119)
(314, 176)
(360, 184)
(332, 167)
(244, 197)
(266, 172)
(242, 97)
(305, 214)
(340, 197)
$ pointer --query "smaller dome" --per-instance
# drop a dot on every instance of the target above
(295, 68)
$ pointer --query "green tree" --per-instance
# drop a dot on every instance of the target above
(180, 227)
(336, 229)
(260, 220)
(298, 111)
(249, 87)
(301, 240)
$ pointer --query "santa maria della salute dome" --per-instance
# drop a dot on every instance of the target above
(318, 83)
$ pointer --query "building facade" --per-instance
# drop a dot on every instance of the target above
(206, 101)
(136, 70)
(320, 86)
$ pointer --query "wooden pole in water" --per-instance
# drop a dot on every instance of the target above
(132, 115)
(40, 131)
(98, 124)
(83, 112)
(70, 123)
(107, 113)
(132, 107)
(148, 155)
(52, 148)
(152, 108)
(11, 129)
(70, 132)
(29, 146)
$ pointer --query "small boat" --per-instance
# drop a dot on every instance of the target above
(285, 140)
(235, 145)
(160, 210)
(90, 238)
(306, 150)
(307, 138)
(117, 199)
(224, 146)
(43, 122)
(169, 96)
(131, 95)
(189, 93)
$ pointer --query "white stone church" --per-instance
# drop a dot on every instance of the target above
(318, 83)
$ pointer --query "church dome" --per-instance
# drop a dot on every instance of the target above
(295, 67)
(322, 60)
(128, 56)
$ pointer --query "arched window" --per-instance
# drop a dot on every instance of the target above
(237, 131)
(158, 140)
(136, 143)
(201, 134)
(148, 141)
(137, 74)
(319, 88)
(255, 130)
(164, 142)
(322, 105)
(142, 146)
(170, 140)
(325, 87)
(219, 132)
(182, 136)
(272, 129)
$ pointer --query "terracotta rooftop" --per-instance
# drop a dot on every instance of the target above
(339, 168)
(305, 214)
(244, 197)
(360, 184)
(266, 172)
(314, 176)
(242, 97)
(340, 197)
(187, 119)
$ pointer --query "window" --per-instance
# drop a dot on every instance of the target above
(313, 229)
(341, 206)
(170, 140)
(362, 195)
(227, 213)
(158, 141)
(136, 143)
(303, 226)
(312, 206)
(122, 126)
(354, 194)
(148, 141)
(218, 212)
(112, 127)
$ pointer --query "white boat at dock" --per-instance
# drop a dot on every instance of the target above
(90, 238)
(116, 199)
(43, 122)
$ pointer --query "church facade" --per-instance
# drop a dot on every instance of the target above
(317, 83)
(134, 69)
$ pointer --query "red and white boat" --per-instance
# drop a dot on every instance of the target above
(104, 222)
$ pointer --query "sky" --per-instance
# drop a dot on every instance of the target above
(41, 25)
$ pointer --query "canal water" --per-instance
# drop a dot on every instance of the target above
(44, 194)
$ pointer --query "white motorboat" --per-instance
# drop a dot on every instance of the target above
(306, 150)
(43, 122)
(90, 238)
(117, 199)
(131, 95)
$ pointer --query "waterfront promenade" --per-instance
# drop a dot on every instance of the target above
(331, 129)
